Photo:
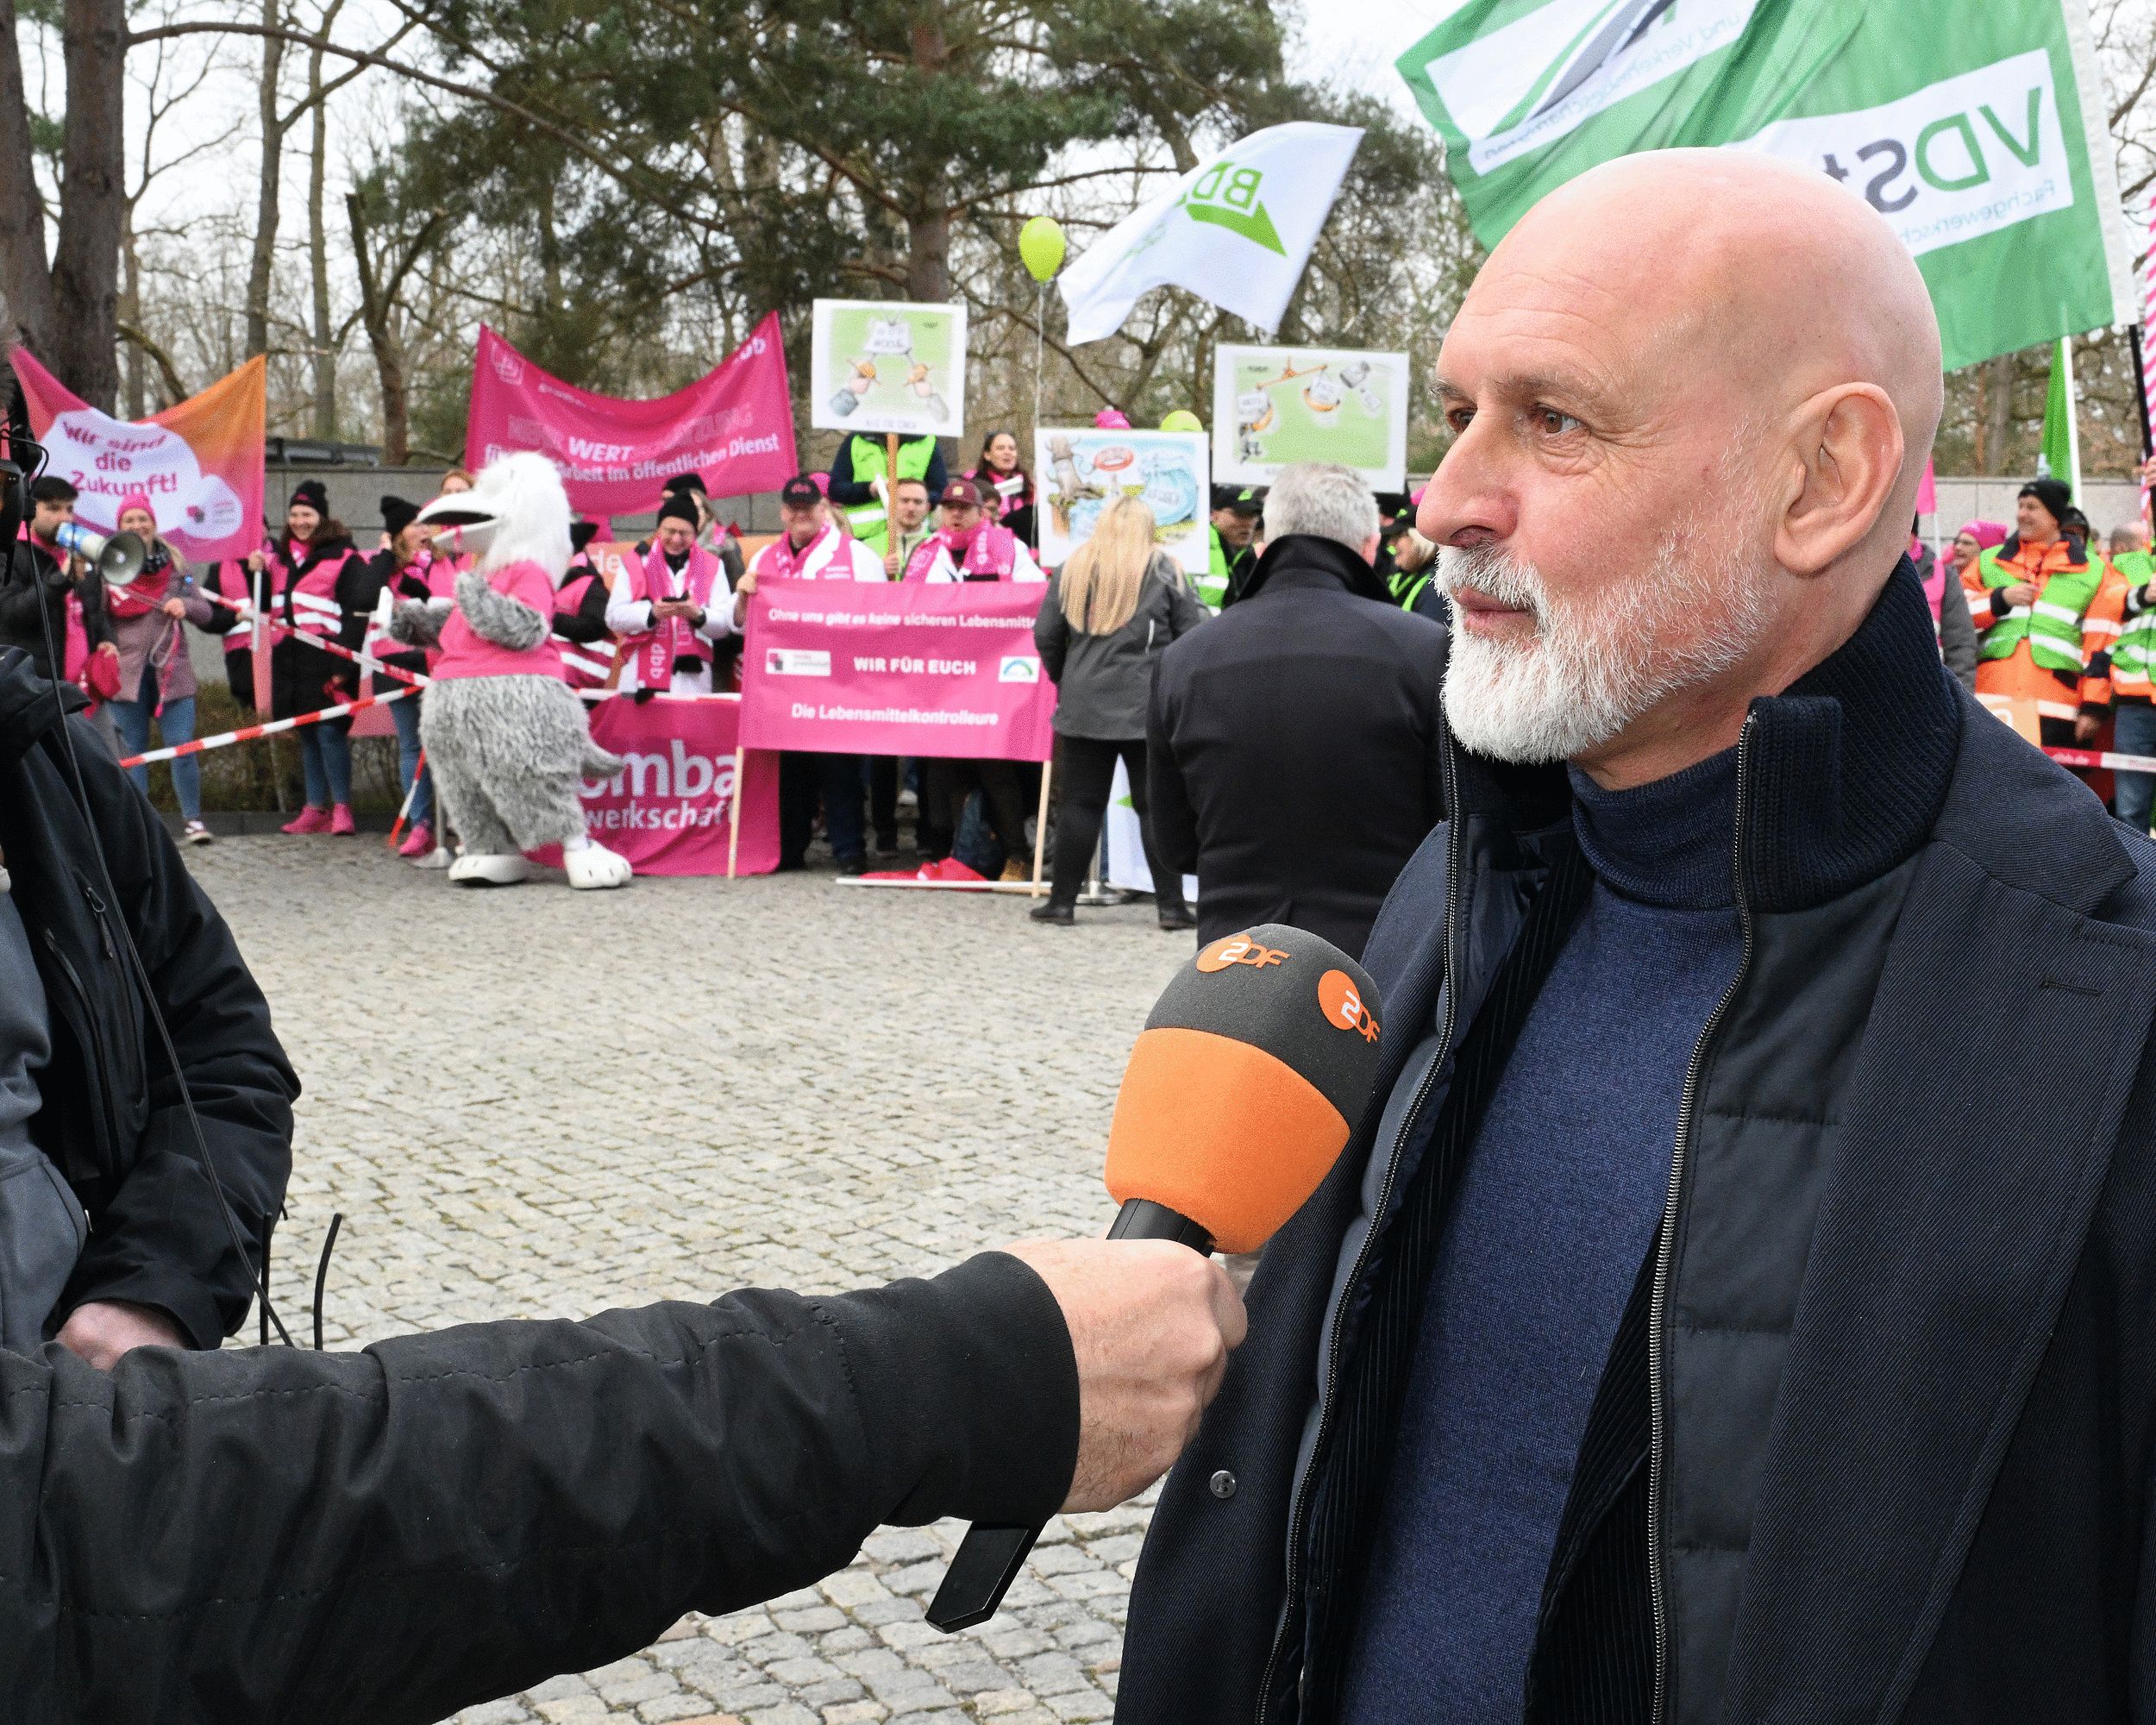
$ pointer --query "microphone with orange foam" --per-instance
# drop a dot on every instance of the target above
(1253, 1068)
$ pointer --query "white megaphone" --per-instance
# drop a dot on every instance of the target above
(119, 559)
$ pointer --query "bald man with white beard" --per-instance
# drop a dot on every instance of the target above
(1738, 1306)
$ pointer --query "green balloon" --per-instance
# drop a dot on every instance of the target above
(1182, 419)
(1041, 246)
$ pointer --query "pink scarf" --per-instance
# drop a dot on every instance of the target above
(787, 562)
(989, 556)
(669, 640)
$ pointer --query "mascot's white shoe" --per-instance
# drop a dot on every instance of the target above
(481, 868)
(595, 869)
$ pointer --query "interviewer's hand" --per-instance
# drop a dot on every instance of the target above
(1151, 1323)
(101, 1330)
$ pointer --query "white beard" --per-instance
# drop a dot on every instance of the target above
(1592, 668)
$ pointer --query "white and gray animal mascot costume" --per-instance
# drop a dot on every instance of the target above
(506, 739)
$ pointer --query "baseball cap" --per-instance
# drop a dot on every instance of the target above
(801, 491)
(1243, 502)
(962, 494)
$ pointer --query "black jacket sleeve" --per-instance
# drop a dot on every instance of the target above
(1175, 821)
(388, 1536)
(1051, 630)
(359, 585)
(30, 579)
(587, 624)
(844, 489)
(159, 1238)
(938, 475)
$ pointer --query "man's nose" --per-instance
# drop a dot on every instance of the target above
(1469, 498)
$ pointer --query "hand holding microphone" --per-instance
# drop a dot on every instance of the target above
(1241, 1092)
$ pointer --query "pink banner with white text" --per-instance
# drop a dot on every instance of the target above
(734, 426)
(669, 810)
(943, 670)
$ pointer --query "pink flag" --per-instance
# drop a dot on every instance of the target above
(905, 668)
(734, 426)
(199, 462)
(1928, 492)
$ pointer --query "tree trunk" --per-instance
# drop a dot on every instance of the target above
(265, 197)
(86, 260)
(928, 222)
(378, 314)
(325, 358)
(25, 274)
(131, 316)
(1998, 386)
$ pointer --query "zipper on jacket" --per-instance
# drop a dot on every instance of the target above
(1456, 847)
(1665, 1247)
(95, 1053)
(97, 910)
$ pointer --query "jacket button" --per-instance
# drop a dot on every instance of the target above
(1223, 1484)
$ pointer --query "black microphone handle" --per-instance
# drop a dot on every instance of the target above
(989, 1558)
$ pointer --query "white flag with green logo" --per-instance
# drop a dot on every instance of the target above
(1236, 231)
(1975, 127)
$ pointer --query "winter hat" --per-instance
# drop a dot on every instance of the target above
(1985, 533)
(688, 482)
(1110, 419)
(137, 499)
(311, 493)
(2052, 493)
(677, 506)
(398, 513)
(582, 531)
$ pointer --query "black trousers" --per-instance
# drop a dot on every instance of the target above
(1085, 767)
(883, 799)
(1002, 787)
(835, 779)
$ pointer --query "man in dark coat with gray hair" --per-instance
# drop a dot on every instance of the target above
(1292, 744)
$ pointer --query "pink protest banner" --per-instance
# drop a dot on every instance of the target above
(909, 668)
(734, 426)
(668, 811)
(200, 463)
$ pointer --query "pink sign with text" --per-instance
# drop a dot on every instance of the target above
(669, 810)
(943, 670)
(734, 426)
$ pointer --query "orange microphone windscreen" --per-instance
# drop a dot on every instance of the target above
(1253, 1068)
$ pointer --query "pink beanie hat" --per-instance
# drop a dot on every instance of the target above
(1985, 533)
(1110, 419)
(137, 499)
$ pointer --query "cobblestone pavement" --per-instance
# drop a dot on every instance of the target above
(540, 1103)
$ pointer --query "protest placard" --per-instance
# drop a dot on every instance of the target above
(946, 670)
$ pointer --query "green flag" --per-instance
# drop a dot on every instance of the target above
(1977, 127)
(2060, 456)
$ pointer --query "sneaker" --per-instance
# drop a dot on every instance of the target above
(420, 841)
(1058, 916)
(309, 819)
(195, 834)
(340, 821)
(1016, 869)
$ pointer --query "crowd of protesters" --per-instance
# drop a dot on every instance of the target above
(2052, 629)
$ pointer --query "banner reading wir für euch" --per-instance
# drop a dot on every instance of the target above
(908, 669)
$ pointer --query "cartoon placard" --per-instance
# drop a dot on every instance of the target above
(1275, 405)
(881, 365)
(1079, 471)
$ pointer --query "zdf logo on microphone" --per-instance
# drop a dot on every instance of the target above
(1238, 949)
(1341, 1003)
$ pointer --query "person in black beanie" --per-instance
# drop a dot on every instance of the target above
(2032, 599)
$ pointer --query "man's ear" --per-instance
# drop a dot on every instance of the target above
(1847, 441)
(1370, 549)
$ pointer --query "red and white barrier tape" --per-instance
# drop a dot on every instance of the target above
(2103, 758)
(268, 728)
(322, 644)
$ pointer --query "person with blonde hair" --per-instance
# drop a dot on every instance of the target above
(1110, 612)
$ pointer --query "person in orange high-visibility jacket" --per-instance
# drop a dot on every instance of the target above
(2031, 599)
(2100, 629)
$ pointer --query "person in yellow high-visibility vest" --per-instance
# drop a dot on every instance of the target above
(860, 478)
(2030, 599)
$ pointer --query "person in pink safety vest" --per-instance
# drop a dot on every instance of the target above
(673, 609)
(581, 634)
(811, 547)
(967, 547)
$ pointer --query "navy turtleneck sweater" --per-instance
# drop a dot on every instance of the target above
(1556, 1206)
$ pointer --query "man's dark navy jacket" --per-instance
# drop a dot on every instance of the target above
(1874, 1440)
